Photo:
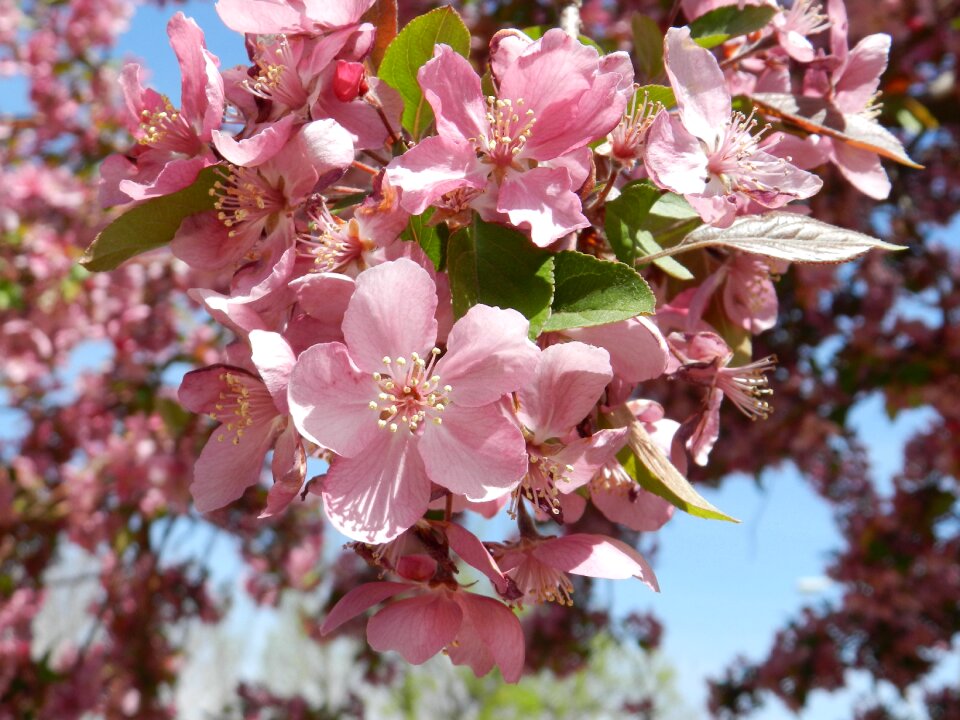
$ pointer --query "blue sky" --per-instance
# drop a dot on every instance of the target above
(725, 588)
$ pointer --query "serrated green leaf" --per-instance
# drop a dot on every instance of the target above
(647, 46)
(495, 265)
(648, 465)
(719, 25)
(589, 291)
(149, 225)
(409, 50)
(428, 237)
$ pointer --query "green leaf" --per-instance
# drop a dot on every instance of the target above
(647, 46)
(625, 216)
(410, 49)
(648, 244)
(149, 225)
(589, 291)
(430, 238)
(628, 218)
(648, 465)
(495, 265)
(717, 26)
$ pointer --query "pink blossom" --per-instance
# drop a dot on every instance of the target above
(519, 157)
(539, 566)
(253, 416)
(568, 383)
(261, 202)
(441, 615)
(621, 498)
(853, 88)
(708, 154)
(704, 360)
(172, 144)
(399, 416)
(793, 25)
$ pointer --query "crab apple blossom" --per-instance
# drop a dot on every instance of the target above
(399, 416)
(708, 153)
(519, 156)
(539, 566)
(568, 381)
(173, 144)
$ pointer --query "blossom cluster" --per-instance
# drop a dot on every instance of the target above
(378, 246)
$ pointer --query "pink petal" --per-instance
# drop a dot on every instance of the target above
(632, 507)
(595, 556)
(358, 118)
(274, 360)
(569, 380)
(862, 169)
(543, 200)
(477, 452)
(200, 389)
(391, 314)
(489, 635)
(675, 158)
(749, 297)
(239, 317)
(560, 80)
(588, 455)
(259, 147)
(638, 350)
(468, 546)
(329, 400)
(204, 243)
(433, 167)
(340, 14)
(320, 147)
(698, 83)
(861, 76)
(176, 174)
(259, 17)
(452, 88)
(505, 47)
(225, 470)
(325, 297)
(289, 468)
(201, 93)
(418, 628)
(381, 492)
(488, 355)
(358, 599)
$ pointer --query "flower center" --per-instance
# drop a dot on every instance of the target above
(244, 196)
(238, 407)
(627, 138)
(333, 242)
(164, 128)
(747, 387)
(277, 79)
(542, 582)
(510, 128)
(408, 393)
(540, 483)
(804, 17)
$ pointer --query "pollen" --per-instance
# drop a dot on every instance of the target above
(408, 393)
